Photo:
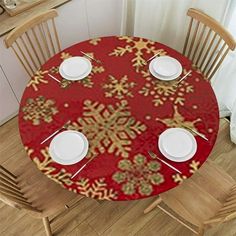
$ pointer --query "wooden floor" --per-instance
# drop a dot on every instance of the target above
(92, 218)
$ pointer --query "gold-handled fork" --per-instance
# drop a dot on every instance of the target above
(153, 155)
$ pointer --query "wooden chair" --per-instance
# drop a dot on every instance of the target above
(207, 42)
(35, 41)
(208, 198)
(33, 192)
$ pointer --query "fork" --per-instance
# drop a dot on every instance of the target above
(153, 155)
(98, 61)
(57, 131)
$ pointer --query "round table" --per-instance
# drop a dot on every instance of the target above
(122, 109)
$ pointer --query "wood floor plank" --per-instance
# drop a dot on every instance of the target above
(75, 217)
(84, 229)
(132, 221)
(9, 216)
(108, 214)
(162, 224)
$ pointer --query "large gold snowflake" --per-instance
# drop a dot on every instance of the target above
(37, 79)
(178, 121)
(97, 189)
(61, 177)
(39, 109)
(162, 91)
(118, 88)
(108, 128)
(138, 175)
(137, 46)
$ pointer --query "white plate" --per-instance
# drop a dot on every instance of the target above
(165, 68)
(68, 147)
(177, 144)
(75, 68)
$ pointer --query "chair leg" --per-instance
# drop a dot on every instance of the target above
(47, 226)
(201, 231)
(153, 205)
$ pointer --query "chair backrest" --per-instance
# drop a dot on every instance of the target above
(35, 41)
(227, 211)
(207, 42)
(11, 193)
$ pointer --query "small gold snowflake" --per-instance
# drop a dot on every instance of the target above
(118, 88)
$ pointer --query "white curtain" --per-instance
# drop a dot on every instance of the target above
(165, 21)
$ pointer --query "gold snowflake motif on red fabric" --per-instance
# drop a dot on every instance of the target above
(193, 167)
(137, 46)
(96, 189)
(39, 109)
(118, 88)
(108, 128)
(37, 80)
(95, 41)
(162, 91)
(178, 121)
(61, 177)
(138, 175)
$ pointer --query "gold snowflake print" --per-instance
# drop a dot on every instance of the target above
(61, 177)
(178, 121)
(137, 46)
(37, 79)
(193, 167)
(39, 109)
(54, 70)
(179, 178)
(138, 175)
(163, 91)
(65, 55)
(108, 128)
(95, 41)
(97, 189)
(118, 88)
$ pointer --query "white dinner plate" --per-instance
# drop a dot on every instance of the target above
(68, 147)
(165, 68)
(177, 144)
(75, 68)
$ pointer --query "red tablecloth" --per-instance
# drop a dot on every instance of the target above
(122, 110)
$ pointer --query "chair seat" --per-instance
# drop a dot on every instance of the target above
(44, 194)
(200, 197)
